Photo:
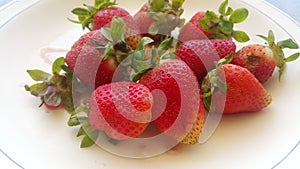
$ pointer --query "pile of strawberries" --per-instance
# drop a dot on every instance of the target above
(129, 72)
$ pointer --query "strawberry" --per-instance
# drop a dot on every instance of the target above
(201, 55)
(95, 57)
(158, 18)
(237, 87)
(84, 41)
(176, 94)
(104, 17)
(210, 25)
(99, 15)
(261, 60)
(54, 90)
(122, 110)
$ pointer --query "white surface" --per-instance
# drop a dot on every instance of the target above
(13, 8)
(36, 139)
(291, 7)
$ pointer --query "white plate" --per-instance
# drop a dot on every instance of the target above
(36, 139)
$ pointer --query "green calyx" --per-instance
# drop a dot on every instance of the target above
(85, 15)
(79, 118)
(213, 83)
(145, 59)
(278, 53)
(53, 89)
(56, 89)
(139, 61)
(116, 45)
(166, 15)
(221, 25)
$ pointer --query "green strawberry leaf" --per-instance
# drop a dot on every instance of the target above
(144, 41)
(209, 21)
(293, 57)
(226, 27)
(239, 15)
(221, 25)
(222, 7)
(282, 70)
(117, 29)
(57, 65)
(228, 12)
(154, 28)
(157, 5)
(109, 51)
(81, 132)
(67, 99)
(38, 89)
(166, 44)
(86, 142)
(86, 15)
(240, 36)
(225, 60)
(81, 11)
(289, 43)
(104, 5)
(106, 33)
(271, 37)
(139, 75)
(71, 20)
(73, 121)
(176, 4)
(140, 65)
(38, 75)
(89, 139)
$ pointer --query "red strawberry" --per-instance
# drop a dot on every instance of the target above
(92, 69)
(95, 57)
(261, 60)
(244, 93)
(104, 17)
(122, 109)
(215, 26)
(86, 61)
(85, 40)
(201, 55)
(99, 15)
(193, 30)
(176, 95)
